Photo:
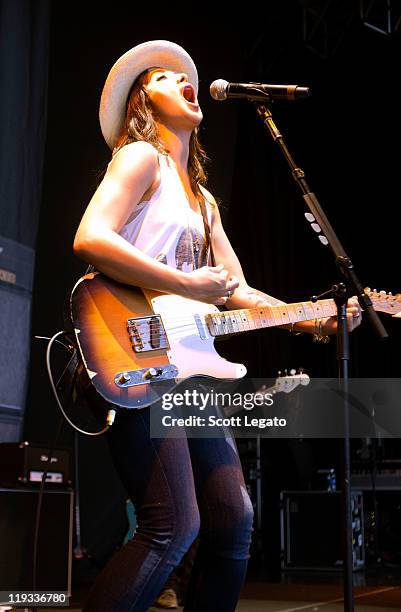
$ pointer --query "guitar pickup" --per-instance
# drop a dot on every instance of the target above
(147, 334)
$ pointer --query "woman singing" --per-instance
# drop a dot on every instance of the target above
(149, 224)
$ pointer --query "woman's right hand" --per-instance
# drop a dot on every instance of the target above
(212, 285)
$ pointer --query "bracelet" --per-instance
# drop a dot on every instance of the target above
(293, 332)
(318, 336)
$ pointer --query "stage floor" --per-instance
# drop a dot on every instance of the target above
(262, 597)
(375, 590)
(363, 603)
(306, 593)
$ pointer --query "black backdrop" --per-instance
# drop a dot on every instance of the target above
(345, 137)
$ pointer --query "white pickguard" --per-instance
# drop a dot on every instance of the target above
(189, 352)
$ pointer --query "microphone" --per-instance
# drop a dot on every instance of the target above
(221, 90)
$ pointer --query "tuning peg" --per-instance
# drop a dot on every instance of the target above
(383, 292)
(293, 372)
(301, 370)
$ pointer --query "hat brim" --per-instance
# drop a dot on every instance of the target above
(126, 70)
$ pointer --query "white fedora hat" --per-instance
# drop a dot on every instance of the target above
(128, 67)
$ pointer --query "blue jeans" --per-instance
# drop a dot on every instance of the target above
(179, 487)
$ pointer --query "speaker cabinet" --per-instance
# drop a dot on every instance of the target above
(10, 425)
(16, 277)
(312, 530)
(15, 313)
(17, 525)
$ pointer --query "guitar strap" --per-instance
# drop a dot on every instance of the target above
(207, 230)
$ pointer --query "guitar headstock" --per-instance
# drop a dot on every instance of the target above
(285, 383)
(385, 302)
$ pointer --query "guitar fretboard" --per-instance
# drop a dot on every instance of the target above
(247, 319)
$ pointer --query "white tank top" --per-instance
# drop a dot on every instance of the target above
(166, 227)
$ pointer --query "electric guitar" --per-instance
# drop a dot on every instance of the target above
(282, 384)
(385, 302)
(135, 345)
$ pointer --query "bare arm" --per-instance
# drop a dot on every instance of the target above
(132, 175)
(244, 296)
(247, 297)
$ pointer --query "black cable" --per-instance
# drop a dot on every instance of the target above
(110, 420)
(39, 507)
(111, 413)
(42, 489)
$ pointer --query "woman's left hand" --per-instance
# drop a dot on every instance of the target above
(354, 318)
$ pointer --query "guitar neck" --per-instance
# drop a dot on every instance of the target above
(247, 319)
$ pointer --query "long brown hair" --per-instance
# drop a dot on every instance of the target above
(140, 124)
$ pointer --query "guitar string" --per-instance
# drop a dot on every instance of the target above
(320, 304)
(274, 320)
(225, 327)
(271, 321)
(224, 315)
(318, 310)
(177, 322)
(226, 324)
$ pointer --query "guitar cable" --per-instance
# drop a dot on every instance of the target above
(111, 414)
(38, 513)
(110, 420)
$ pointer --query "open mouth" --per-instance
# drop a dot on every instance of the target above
(188, 93)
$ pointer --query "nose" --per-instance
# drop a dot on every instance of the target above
(182, 77)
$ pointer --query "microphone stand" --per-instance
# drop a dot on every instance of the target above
(340, 293)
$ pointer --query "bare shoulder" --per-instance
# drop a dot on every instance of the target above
(140, 148)
(137, 160)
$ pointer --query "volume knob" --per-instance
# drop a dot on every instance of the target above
(152, 372)
(123, 378)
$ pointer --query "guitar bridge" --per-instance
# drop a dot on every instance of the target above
(147, 334)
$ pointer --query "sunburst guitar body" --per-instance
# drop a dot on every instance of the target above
(134, 345)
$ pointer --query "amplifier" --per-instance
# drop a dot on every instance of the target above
(312, 530)
(23, 464)
(16, 264)
(54, 546)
